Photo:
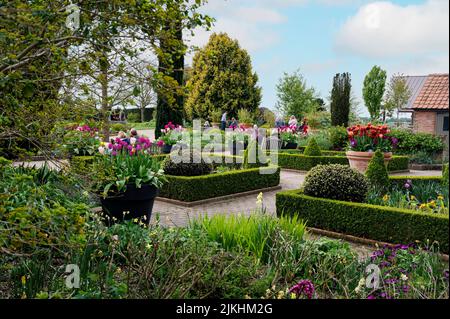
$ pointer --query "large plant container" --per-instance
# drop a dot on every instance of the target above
(131, 204)
(360, 160)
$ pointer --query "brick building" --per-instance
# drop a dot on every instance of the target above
(429, 104)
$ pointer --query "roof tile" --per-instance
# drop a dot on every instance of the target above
(434, 93)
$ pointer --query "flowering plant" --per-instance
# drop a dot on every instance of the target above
(370, 138)
(126, 163)
(239, 134)
(81, 140)
(288, 134)
(171, 134)
(304, 288)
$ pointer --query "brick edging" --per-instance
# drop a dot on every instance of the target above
(358, 240)
(217, 199)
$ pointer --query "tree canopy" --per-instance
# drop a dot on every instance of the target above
(222, 79)
(373, 91)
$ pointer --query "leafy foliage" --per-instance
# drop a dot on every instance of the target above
(410, 143)
(194, 165)
(373, 91)
(445, 175)
(294, 97)
(338, 137)
(376, 173)
(312, 149)
(336, 181)
(222, 79)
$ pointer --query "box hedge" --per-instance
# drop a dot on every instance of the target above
(386, 224)
(190, 189)
(305, 163)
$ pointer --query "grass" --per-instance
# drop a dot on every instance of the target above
(143, 126)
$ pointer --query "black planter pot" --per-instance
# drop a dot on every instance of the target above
(167, 149)
(289, 146)
(133, 203)
(234, 148)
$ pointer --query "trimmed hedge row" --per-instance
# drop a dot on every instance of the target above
(387, 224)
(305, 163)
(190, 189)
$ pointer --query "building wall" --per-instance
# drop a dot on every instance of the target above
(424, 122)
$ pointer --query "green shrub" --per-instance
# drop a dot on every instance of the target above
(421, 157)
(117, 127)
(376, 173)
(400, 181)
(294, 159)
(4, 162)
(190, 189)
(336, 182)
(445, 175)
(187, 168)
(81, 165)
(312, 149)
(410, 143)
(134, 117)
(252, 157)
(385, 224)
(322, 138)
(338, 137)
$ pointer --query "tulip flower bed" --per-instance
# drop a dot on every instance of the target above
(381, 223)
(195, 188)
(298, 161)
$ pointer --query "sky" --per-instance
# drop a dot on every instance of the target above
(325, 37)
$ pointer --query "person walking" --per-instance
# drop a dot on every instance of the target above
(223, 121)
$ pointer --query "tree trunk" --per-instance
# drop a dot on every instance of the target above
(105, 109)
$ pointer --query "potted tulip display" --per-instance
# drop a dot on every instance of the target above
(171, 135)
(127, 178)
(238, 140)
(289, 137)
(364, 140)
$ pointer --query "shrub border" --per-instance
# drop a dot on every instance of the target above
(380, 223)
(196, 188)
(302, 162)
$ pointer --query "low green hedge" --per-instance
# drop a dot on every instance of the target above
(305, 163)
(387, 224)
(190, 189)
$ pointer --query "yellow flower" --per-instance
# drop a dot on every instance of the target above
(423, 206)
(24, 280)
(385, 198)
(281, 294)
(440, 197)
(413, 197)
(432, 204)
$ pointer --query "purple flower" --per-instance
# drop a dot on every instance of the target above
(371, 297)
(304, 287)
(407, 185)
(353, 143)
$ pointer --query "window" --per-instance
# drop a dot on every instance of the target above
(445, 124)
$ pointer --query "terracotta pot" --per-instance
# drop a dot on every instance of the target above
(215, 124)
(360, 160)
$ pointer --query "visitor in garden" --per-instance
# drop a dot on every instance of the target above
(223, 121)
(133, 133)
(234, 124)
(279, 122)
(206, 125)
(293, 122)
(123, 137)
(304, 128)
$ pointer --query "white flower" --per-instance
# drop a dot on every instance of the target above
(133, 140)
(404, 277)
(101, 150)
(259, 199)
(361, 284)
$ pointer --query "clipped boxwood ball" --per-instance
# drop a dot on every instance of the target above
(336, 181)
(185, 168)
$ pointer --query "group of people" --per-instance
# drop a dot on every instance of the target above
(123, 136)
(293, 123)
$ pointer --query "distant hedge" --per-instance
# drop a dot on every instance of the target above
(190, 189)
(401, 180)
(387, 224)
(305, 163)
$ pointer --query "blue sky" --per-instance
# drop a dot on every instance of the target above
(323, 37)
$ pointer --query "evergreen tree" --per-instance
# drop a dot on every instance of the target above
(222, 79)
(340, 99)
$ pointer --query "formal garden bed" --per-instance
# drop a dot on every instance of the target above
(404, 209)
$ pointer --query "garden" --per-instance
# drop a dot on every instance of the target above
(98, 143)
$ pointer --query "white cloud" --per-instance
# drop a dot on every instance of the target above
(383, 29)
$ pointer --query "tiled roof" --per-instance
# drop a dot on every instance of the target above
(415, 85)
(434, 93)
